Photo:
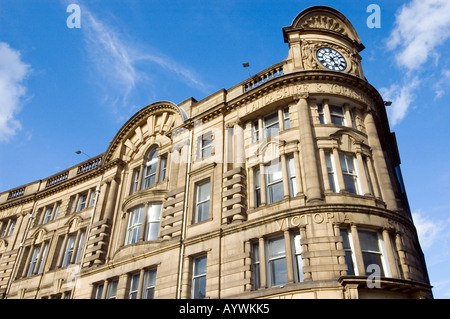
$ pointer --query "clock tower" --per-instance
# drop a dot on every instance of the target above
(321, 38)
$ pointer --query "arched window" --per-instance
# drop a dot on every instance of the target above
(150, 169)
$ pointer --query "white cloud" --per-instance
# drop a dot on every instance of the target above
(119, 62)
(12, 74)
(420, 27)
(428, 230)
(401, 97)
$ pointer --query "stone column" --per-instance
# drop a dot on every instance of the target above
(286, 179)
(381, 169)
(309, 158)
(239, 148)
(262, 263)
(289, 258)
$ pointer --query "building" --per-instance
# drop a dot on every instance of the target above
(286, 185)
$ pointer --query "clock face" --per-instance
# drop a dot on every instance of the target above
(331, 59)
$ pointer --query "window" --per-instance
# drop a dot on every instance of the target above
(57, 208)
(274, 176)
(134, 286)
(37, 259)
(135, 181)
(205, 146)
(162, 168)
(298, 261)
(149, 284)
(291, 176)
(99, 291)
(199, 278)
(286, 118)
(203, 193)
(256, 273)
(276, 259)
(47, 215)
(134, 225)
(81, 202)
(69, 250)
(371, 248)
(153, 221)
(337, 115)
(321, 114)
(255, 131)
(151, 165)
(271, 125)
(33, 261)
(7, 227)
(91, 198)
(349, 173)
(112, 289)
(257, 182)
(347, 244)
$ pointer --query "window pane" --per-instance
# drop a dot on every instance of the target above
(203, 191)
(368, 240)
(200, 266)
(275, 192)
(134, 286)
(276, 247)
(372, 259)
(287, 122)
(162, 169)
(345, 241)
(271, 124)
(99, 292)
(278, 272)
(112, 290)
(199, 287)
(149, 284)
(349, 262)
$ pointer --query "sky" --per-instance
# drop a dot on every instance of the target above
(66, 87)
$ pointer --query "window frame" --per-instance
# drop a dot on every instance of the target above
(151, 160)
(149, 284)
(198, 202)
(134, 224)
(275, 183)
(199, 277)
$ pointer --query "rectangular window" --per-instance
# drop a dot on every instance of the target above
(337, 115)
(149, 284)
(134, 225)
(286, 118)
(57, 208)
(298, 262)
(292, 176)
(135, 180)
(274, 174)
(257, 182)
(153, 221)
(11, 227)
(91, 198)
(162, 168)
(206, 145)
(69, 250)
(199, 278)
(134, 286)
(331, 169)
(99, 291)
(80, 247)
(347, 244)
(81, 202)
(371, 248)
(349, 172)
(321, 114)
(276, 262)
(47, 215)
(41, 262)
(256, 273)
(255, 131)
(112, 289)
(203, 193)
(33, 261)
(271, 125)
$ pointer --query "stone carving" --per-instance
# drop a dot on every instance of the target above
(324, 22)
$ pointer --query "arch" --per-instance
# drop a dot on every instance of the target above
(323, 18)
(157, 118)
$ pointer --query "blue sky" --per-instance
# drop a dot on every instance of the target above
(63, 89)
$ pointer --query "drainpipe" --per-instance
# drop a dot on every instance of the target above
(19, 253)
(183, 230)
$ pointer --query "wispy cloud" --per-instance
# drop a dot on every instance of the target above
(123, 63)
(13, 72)
(421, 26)
(428, 230)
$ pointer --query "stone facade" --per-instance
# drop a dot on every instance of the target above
(283, 186)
